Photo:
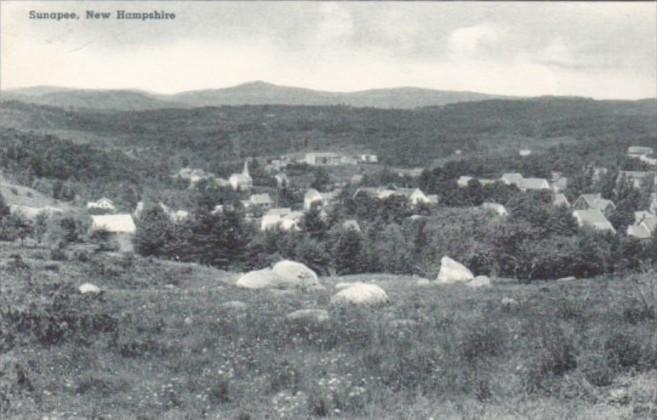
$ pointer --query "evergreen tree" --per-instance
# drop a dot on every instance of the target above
(348, 252)
(154, 232)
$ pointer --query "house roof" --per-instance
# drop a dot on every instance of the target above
(279, 211)
(511, 177)
(640, 231)
(496, 207)
(593, 218)
(533, 184)
(113, 223)
(260, 199)
(560, 199)
(640, 150)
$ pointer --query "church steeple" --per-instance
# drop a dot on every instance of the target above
(245, 171)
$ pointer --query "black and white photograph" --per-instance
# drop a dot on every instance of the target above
(358, 210)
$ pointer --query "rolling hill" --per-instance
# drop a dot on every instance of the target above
(253, 93)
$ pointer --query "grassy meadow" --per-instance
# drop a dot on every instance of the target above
(166, 340)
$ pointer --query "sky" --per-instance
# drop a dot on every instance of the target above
(601, 50)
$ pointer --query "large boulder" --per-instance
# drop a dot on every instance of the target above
(453, 272)
(284, 275)
(260, 279)
(361, 294)
(479, 281)
(296, 273)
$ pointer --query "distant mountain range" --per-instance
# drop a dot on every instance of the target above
(252, 93)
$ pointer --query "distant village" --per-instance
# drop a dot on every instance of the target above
(590, 210)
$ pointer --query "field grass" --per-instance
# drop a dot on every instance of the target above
(159, 342)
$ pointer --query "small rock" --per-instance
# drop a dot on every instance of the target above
(234, 305)
(423, 282)
(479, 281)
(619, 396)
(188, 321)
(566, 279)
(89, 288)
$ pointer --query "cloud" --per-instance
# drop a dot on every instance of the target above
(592, 49)
(472, 39)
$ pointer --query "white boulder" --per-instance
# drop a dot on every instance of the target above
(424, 282)
(453, 272)
(361, 294)
(479, 281)
(89, 288)
(260, 279)
(296, 273)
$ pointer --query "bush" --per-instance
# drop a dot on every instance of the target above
(596, 370)
(623, 350)
(482, 341)
(58, 254)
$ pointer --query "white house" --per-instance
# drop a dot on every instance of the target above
(323, 159)
(644, 226)
(120, 227)
(511, 178)
(368, 158)
(495, 207)
(524, 152)
(311, 199)
(638, 151)
(463, 181)
(282, 181)
(104, 204)
(533, 184)
(243, 181)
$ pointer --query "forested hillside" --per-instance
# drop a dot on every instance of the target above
(211, 135)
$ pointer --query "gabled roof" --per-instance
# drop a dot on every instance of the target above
(560, 199)
(533, 184)
(640, 231)
(496, 207)
(593, 218)
(511, 177)
(113, 223)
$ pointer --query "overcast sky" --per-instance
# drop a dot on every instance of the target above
(601, 50)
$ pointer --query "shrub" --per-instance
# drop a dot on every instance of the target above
(596, 370)
(482, 341)
(623, 350)
(58, 254)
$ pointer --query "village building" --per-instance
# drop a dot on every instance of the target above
(524, 152)
(512, 178)
(356, 179)
(644, 226)
(368, 158)
(282, 181)
(463, 181)
(324, 159)
(104, 205)
(260, 201)
(638, 178)
(281, 218)
(495, 207)
(242, 181)
(593, 218)
(598, 172)
(594, 201)
(533, 184)
(638, 151)
(649, 160)
(351, 224)
(559, 199)
(120, 229)
(411, 172)
(311, 199)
